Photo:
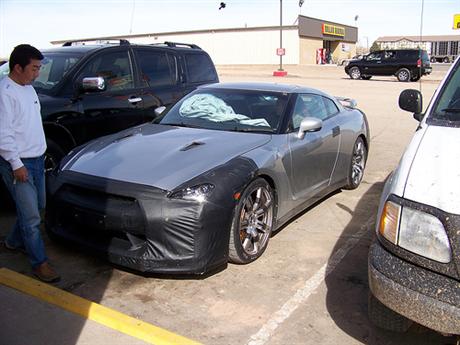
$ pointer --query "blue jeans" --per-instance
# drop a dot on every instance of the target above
(29, 197)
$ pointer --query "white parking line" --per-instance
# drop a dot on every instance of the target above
(267, 330)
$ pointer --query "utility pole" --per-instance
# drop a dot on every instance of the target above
(280, 51)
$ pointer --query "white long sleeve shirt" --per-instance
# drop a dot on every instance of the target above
(21, 129)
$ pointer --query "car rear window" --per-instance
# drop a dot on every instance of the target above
(199, 68)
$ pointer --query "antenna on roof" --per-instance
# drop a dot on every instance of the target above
(420, 49)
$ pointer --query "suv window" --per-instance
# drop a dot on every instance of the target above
(331, 108)
(374, 56)
(115, 67)
(199, 68)
(157, 68)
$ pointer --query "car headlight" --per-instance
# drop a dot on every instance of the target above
(416, 231)
(196, 193)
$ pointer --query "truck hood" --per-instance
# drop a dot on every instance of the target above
(161, 156)
(434, 177)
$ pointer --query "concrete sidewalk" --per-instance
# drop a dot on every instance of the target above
(27, 320)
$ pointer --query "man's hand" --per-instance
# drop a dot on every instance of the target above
(20, 175)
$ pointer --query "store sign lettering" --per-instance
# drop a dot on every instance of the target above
(333, 30)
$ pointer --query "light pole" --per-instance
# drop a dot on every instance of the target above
(280, 51)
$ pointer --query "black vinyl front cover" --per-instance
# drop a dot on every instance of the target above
(143, 227)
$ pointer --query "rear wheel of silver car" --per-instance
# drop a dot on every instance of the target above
(252, 222)
(403, 74)
(355, 73)
(357, 164)
(385, 318)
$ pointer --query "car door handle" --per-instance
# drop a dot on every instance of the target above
(335, 131)
(134, 100)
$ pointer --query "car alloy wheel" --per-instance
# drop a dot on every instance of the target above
(403, 74)
(253, 222)
(357, 165)
(355, 73)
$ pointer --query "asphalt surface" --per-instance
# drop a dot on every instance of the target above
(309, 287)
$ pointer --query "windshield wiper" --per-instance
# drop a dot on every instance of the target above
(451, 110)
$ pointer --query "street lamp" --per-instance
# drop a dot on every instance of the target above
(280, 51)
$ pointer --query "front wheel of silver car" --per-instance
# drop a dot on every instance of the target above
(252, 223)
(355, 73)
(357, 164)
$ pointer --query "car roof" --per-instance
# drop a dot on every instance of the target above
(270, 87)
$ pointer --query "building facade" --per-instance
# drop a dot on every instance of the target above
(258, 45)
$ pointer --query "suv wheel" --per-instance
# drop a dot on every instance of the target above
(446, 60)
(403, 74)
(355, 73)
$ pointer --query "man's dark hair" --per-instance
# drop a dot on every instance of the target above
(22, 54)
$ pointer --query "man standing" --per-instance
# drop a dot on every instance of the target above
(22, 148)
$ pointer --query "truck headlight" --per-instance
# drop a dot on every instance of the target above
(416, 231)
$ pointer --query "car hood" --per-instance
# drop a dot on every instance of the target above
(434, 177)
(162, 156)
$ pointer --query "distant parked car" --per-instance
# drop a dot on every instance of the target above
(405, 64)
(210, 180)
(414, 265)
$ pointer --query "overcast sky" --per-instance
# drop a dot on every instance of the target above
(39, 22)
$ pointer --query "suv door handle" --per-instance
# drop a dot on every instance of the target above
(134, 100)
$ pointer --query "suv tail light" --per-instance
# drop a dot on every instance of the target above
(419, 63)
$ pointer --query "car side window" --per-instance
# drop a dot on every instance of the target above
(157, 68)
(199, 68)
(390, 55)
(377, 56)
(331, 107)
(308, 105)
(114, 67)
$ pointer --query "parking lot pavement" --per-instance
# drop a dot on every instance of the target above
(309, 287)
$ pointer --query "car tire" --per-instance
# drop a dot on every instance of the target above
(53, 155)
(433, 59)
(357, 164)
(366, 77)
(446, 60)
(252, 222)
(403, 75)
(355, 73)
(385, 318)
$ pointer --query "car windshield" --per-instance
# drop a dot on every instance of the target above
(229, 110)
(54, 67)
(447, 107)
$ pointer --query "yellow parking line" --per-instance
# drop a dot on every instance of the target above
(90, 310)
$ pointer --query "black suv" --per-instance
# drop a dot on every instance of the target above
(405, 64)
(87, 91)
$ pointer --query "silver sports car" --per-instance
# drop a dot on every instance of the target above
(211, 179)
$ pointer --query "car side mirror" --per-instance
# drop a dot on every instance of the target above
(412, 100)
(158, 111)
(93, 84)
(309, 124)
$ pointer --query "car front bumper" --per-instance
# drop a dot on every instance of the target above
(139, 226)
(428, 298)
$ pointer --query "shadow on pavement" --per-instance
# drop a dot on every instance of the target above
(347, 284)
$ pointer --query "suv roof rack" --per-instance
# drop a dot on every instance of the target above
(102, 41)
(176, 44)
